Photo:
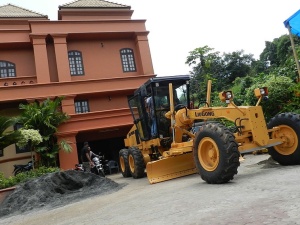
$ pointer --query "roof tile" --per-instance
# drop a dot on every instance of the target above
(92, 4)
(12, 11)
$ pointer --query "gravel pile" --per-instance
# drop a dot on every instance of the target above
(55, 190)
(269, 163)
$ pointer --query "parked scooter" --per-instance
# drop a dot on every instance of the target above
(22, 168)
(98, 166)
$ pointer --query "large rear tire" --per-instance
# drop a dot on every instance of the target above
(287, 153)
(216, 154)
(136, 163)
(123, 157)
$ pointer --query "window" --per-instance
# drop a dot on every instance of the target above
(75, 62)
(81, 106)
(1, 153)
(7, 69)
(18, 149)
(127, 58)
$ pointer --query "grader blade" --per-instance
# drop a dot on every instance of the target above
(171, 168)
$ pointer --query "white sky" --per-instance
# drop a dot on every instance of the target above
(178, 27)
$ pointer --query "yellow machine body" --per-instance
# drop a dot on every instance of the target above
(176, 161)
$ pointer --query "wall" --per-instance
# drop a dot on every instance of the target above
(23, 59)
(101, 62)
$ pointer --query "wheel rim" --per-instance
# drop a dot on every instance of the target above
(208, 153)
(122, 163)
(131, 163)
(290, 140)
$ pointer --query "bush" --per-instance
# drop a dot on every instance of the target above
(279, 94)
(22, 177)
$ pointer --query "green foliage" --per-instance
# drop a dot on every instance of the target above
(205, 63)
(240, 73)
(66, 146)
(8, 137)
(22, 177)
(222, 70)
(236, 64)
(293, 105)
(45, 117)
(279, 56)
(279, 94)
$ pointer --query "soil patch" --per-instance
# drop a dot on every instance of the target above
(55, 190)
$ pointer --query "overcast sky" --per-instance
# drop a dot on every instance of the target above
(178, 27)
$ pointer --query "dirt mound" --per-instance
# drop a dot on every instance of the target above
(269, 163)
(56, 189)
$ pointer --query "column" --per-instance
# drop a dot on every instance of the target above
(41, 58)
(67, 105)
(62, 59)
(145, 55)
(67, 160)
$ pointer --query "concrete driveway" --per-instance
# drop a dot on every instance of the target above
(261, 193)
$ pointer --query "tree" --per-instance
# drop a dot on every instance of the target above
(222, 70)
(8, 137)
(278, 57)
(45, 117)
(206, 65)
(236, 64)
(30, 138)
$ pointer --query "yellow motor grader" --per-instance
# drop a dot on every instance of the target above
(190, 140)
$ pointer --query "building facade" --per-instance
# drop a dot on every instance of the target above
(95, 55)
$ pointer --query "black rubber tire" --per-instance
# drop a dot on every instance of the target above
(223, 141)
(124, 165)
(94, 171)
(101, 173)
(18, 171)
(292, 154)
(136, 163)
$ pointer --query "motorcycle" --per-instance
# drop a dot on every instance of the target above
(22, 168)
(98, 166)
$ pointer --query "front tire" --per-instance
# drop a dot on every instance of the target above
(136, 163)
(123, 157)
(101, 173)
(287, 153)
(18, 171)
(216, 154)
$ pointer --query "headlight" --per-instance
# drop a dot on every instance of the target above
(226, 96)
(261, 92)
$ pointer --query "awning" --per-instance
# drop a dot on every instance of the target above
(294, 23)
(293, 26)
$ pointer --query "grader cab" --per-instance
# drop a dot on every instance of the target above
(189, 140)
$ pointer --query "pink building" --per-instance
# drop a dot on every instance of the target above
(94, 54)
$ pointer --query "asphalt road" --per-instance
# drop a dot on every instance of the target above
(261, 193)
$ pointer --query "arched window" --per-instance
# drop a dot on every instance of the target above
(75, 62)
(7, 69)
(127, 59)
